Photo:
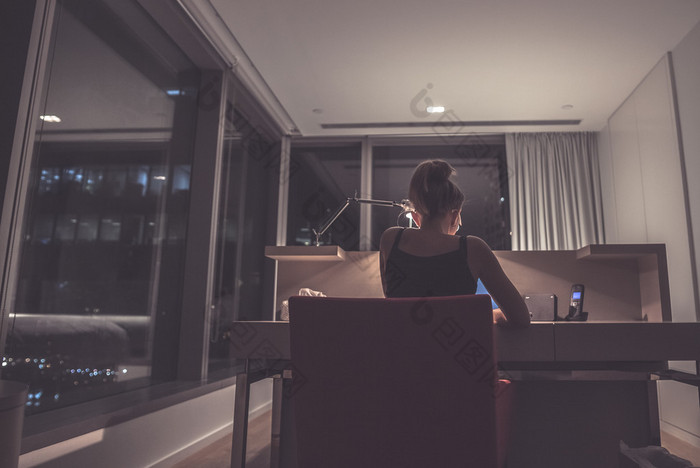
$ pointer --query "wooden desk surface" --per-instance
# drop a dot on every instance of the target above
(541, 342)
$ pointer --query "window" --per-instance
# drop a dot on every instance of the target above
(321, 179)
(244, 279)
(481, 174)
(324, 175)
(104, 236)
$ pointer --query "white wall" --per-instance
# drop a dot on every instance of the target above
(686, 67)
(628, 193)
(607, 187)
(680, 411)
(643, 188)
(642, 181)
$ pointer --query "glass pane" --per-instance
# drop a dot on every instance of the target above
(65, 227)
(181, 178)
(110, 228)
(157, 181)
(88, 284)
(114, 181)
(137, 180)
(93, 179)
(481, 174)
(48, 181)
(43, 229)
(320, 181)
(87, 228)
(244, 283)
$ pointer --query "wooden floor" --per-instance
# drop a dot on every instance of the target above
(218, 454)
(680, 448)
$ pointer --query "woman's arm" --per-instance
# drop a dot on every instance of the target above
(483, 263)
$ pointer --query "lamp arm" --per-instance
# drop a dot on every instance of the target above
(403, 204)
(324, 227)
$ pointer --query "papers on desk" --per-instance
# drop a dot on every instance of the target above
(284, 313)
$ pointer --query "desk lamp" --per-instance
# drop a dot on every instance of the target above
(405, 206)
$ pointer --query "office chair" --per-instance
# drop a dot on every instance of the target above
(407, 382)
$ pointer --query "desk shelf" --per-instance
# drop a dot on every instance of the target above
(619, 251)
(304, 253)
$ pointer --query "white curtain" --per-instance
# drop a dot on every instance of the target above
(554, 184)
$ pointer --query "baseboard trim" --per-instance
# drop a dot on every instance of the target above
(207, 440)
(175, 431)
(679, 433)
(193, 448)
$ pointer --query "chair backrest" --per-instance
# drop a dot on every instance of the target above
(393, 382)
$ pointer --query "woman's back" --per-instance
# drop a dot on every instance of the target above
(432, 260)
(423, 266)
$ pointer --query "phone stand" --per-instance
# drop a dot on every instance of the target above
(574, 317)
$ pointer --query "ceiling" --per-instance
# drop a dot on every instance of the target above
(496, 66)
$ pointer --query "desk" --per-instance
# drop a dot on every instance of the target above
(569, 376)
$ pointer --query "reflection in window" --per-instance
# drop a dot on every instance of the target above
(49, 180)
(320, 181)
(93, 179)
(87, 228)
(181, 178)
(110, 228)
(72, 174)
(43, 229)
(65, 227)
(158, 178)
(137, 181)
(149, 229)
(132, 229)
(177, 225)
(89, 278)
(114, 181)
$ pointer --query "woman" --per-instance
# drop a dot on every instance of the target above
(433, 261)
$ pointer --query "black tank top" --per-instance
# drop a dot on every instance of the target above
(446, 274)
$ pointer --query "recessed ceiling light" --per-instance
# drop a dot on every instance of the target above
(50, 118)
(435, 109)
(567, 106)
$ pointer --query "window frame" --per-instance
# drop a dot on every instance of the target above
(368, 144)
(187, 376)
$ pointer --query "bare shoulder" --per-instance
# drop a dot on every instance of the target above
(477, 246)
(388, 238)
(480, 255)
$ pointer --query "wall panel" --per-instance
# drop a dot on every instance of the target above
(686, 68)
(656, 198)
(629, 193)
(664, 202)
(680, 412)
(607, 186)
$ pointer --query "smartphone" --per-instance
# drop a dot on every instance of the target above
(576, 304)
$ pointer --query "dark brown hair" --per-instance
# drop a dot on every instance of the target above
(432, 192)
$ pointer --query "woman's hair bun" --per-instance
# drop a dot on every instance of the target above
(439, 171)
(431, 191)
